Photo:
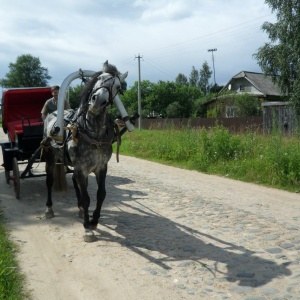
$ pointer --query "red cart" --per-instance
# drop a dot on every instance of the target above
(21, 121)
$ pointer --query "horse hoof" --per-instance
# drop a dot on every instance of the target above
(49, 213)
(89, 236)
(93, 227)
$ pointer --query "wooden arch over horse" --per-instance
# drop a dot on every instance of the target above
(89, 148)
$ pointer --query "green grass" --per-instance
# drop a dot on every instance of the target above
(269, 160)
(11, 280)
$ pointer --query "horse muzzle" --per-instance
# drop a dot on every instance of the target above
(98, 103)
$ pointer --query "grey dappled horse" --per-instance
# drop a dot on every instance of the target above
(90, 148)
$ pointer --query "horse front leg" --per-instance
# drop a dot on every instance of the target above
(49, 183)
(84, 200)
(101, 194)
(78, 196)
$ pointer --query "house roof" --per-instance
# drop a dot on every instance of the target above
(261, 82)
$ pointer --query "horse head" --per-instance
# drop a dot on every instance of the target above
(106, 88)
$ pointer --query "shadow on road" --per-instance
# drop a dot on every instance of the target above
(145, 231)
(142, 230)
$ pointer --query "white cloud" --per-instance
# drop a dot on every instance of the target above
(172, 36)
(165, 10)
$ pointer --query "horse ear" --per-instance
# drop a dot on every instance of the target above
(105, 65)
(123, 76)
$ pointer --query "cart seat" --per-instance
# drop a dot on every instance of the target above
(35, 128)
(19, 127)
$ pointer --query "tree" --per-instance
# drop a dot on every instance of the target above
(181, 79)
(205, 74)
(130, 98)
(26, 72)
(194, 77)
(74, 93)
(280, 58)
(173, 110)
(164, 98)
(246, 105)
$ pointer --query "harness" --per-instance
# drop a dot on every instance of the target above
(76, 131)
(75, 134)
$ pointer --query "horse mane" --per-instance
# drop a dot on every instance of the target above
(85, 93)
(109, 68)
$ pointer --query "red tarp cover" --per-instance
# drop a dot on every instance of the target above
(22, 103)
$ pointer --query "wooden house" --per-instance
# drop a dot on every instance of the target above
(254, 84)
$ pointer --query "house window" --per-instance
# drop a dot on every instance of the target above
(242, 88)
(230, 111)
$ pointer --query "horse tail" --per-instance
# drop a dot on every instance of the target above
(60, 181)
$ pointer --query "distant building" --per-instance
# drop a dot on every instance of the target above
(254, 84)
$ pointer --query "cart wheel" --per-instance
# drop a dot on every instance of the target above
(7, 176)
(16, 178)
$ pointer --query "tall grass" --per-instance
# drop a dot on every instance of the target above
(270, 160)
(11, 281)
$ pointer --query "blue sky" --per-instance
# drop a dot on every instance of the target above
(171, 36)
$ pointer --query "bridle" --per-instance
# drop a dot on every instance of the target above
(103, 85)
(109, 88)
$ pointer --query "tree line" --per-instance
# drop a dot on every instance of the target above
(183, 98)
(186, 96)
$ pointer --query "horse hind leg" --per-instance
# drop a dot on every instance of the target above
(49, 183)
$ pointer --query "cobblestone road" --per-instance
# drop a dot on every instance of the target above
(215, 238)
(192, 236)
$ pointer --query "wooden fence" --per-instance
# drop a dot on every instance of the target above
(235, 125)
(279, 116)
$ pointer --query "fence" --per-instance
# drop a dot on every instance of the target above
(235, 125)
(279, 116)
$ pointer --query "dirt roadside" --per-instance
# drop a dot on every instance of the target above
(164, 233)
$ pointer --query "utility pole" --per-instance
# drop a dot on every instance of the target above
(212, 53)
(139, 92)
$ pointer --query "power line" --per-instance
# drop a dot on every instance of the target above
(185, 47)
(158, 67)
(211, 36)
